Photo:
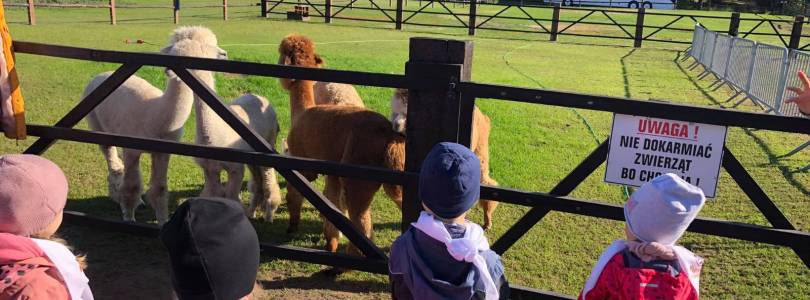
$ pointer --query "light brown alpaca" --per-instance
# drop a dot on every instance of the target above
(479, 144)
(346, 134)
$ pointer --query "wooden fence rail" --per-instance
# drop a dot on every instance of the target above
(442, 98)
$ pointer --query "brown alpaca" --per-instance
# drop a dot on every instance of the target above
(479, 144)
(346, 134)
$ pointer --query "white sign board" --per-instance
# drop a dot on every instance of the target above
(642, 148)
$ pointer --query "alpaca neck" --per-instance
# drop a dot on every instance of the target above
(207, 119)
(178, 100)
(302, 97)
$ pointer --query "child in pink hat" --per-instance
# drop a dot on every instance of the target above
(33, 192)
(649, 265)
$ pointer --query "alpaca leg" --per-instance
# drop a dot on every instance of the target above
(115, 171)
(131, 187)
(158, 193)
(294, 203)
(211, 183)
(333, 193)
(358, 196)
(395, 193)
(271, 192)
(236, 173)
(256, 192)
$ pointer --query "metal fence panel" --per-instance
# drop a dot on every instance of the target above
(742, 58)
(799, 61)
(708, 49)
(767, 74)
(697, 42)
(720, 58)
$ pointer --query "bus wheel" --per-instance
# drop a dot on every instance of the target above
(632, 4)
(647, 4)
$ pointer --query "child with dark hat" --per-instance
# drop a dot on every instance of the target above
(442, 255)
(213, 249)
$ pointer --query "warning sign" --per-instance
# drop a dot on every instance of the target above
(642, 148)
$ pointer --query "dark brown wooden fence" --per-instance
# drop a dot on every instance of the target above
(442, 97)
(560, 23)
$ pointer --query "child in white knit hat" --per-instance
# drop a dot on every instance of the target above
(648, 265)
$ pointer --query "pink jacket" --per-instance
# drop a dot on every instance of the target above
(26, 272)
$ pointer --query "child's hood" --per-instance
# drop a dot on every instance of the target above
(15, 248)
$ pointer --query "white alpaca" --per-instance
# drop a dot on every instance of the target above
(257, 112)
(331, 93)
(139, 109)
(479, 145)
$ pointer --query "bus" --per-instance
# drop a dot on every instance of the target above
(654, 4)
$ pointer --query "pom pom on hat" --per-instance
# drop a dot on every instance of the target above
(33, 191)
(662, 209)
(450, 180)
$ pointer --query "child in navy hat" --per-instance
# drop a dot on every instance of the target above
(442, 255)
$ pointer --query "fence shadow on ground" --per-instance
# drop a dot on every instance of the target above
(324, 281)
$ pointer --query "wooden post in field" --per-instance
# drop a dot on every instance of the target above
(398, 25)
(555, 22)
(796, 33)
(264, 8)
(434, 69)
(225, 10)
(639, 28)
(734, 24)
(471, 21)
(113, 18)
(32, 15)
(327, 18)
(176, 11)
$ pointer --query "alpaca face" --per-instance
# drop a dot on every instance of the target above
(192, 48)
(199, 34)
(399, 110)
(297, 50)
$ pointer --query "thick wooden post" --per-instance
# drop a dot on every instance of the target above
(796, 34)
(32, 15)
(639, 28)
(176, 11)
(264, 8)
(327, 18)
(734, 24)
(113, 18)
(399, 15)
(433, 71)
(471, 21)
(225, 10)
(555, 22)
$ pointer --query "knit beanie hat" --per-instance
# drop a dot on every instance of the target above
(450, 180)
(662, 209)
(213, 249)
(33, 191)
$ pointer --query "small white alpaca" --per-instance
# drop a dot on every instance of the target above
(479, 145)
(139, 109)
(257, 112)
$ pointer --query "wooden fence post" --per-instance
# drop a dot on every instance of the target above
(264, 8)
(176, 11)
(399, 15)
(327, 18)
(225, 10)
(639, 28)
(734, 24)
(555, 22)
(471, 21)
(32, 15)
(113, 18)
(433, 71)
(796, 33)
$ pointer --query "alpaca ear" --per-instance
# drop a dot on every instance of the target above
(318, 60)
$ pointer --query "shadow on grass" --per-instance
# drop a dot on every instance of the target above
(323, 281)
(626, 76)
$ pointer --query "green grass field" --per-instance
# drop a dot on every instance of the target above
(532, 148)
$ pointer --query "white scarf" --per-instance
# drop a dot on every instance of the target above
(690, 263)
(75, 280)
(466, 249)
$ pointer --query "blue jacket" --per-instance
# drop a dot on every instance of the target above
(421, 268)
